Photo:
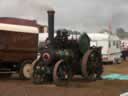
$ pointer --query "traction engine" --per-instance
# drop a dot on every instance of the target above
(63, 56)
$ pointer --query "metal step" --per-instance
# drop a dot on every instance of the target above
(6, 71)
(12, 72)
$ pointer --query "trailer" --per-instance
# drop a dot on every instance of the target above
(18, 46)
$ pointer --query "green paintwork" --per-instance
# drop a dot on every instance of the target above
(84, 43)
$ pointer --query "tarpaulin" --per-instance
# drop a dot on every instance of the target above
(115, 76)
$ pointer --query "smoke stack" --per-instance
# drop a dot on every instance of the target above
(51, 25)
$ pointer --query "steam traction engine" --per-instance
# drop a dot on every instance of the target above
(63, 56)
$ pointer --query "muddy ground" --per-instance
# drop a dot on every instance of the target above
(77, 87)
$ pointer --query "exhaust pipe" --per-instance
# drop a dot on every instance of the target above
(51, 25)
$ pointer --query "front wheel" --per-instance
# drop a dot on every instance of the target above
(38, 72)
(61, 72)
(41, 73)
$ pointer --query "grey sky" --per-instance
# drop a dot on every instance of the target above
(83, 15)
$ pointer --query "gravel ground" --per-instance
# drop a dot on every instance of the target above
(77, 87)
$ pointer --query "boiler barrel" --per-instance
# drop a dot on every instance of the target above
(84, 43)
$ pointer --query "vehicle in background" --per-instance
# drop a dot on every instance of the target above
(124, 49)
(110, 43)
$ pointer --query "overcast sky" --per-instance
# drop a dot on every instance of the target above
(81, 15)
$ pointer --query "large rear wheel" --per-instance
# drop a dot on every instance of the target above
(88, 66)
(61, 72)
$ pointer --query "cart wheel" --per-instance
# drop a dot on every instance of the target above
(61, 72)
(88, 66)
(26, 70)
(116, 61)
(119, 61)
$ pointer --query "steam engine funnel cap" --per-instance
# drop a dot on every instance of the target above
(51, 12)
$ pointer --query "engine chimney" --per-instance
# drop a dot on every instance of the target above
(51, 25)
